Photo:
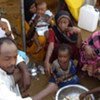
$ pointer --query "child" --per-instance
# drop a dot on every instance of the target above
(62, 32)
(63, 73)
(39, 23)
(41, 11)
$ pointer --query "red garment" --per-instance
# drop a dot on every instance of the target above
(53, 38)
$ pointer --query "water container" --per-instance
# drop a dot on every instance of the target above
(88, 18)
(91, 2)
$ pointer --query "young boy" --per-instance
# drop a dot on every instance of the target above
(63, 73)
(39, 23)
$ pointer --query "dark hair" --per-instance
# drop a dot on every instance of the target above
(7, 40)
(64, 47)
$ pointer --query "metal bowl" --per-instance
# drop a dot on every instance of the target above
(72, 91)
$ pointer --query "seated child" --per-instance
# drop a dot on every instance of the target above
(63, 73)
(90, 55)
(40, 23)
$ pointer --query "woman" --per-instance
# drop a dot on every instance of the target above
(29, 8)
(62, 32)
(90, 55)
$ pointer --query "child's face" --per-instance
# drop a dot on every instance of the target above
(41, 9)
(33, 8)
(63, 58)
(63, 24)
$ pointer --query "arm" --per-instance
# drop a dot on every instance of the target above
(95, 90)
(65, 77)
(90, 51)
(7, 94)
(25, 79)
(48, 55)
(78, 32)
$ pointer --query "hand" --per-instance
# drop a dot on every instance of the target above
(8, 33)
(82, 96)
(4, 26)
(26, 81)
(90, 53)
(48, 68)
(60, 79)
(74, 29)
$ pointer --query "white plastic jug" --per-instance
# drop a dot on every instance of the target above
(91, 2)
(88, 18)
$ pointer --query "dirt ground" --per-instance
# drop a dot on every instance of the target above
(12, 10)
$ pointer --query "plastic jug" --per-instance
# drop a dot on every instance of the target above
(88, 18)
(74, 6)
(91, 2)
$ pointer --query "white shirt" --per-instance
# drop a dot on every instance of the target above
(8, 88)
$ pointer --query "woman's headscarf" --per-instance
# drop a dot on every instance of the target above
(62, 14)
(62, 37)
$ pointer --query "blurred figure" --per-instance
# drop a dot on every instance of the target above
(90, 55)
(29, 8)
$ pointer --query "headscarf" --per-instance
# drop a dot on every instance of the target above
(62, 14)
(62, 37)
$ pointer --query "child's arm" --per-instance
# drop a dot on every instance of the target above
(64, 77)
(72, 72)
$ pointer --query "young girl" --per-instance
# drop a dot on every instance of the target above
(62, 32)
(63, 73)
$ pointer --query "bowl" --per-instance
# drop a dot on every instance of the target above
(72, 92)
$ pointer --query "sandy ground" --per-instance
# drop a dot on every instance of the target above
(12, 13)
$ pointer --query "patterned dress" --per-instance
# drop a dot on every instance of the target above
(91, 65)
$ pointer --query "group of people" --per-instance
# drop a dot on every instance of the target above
(64, 44)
